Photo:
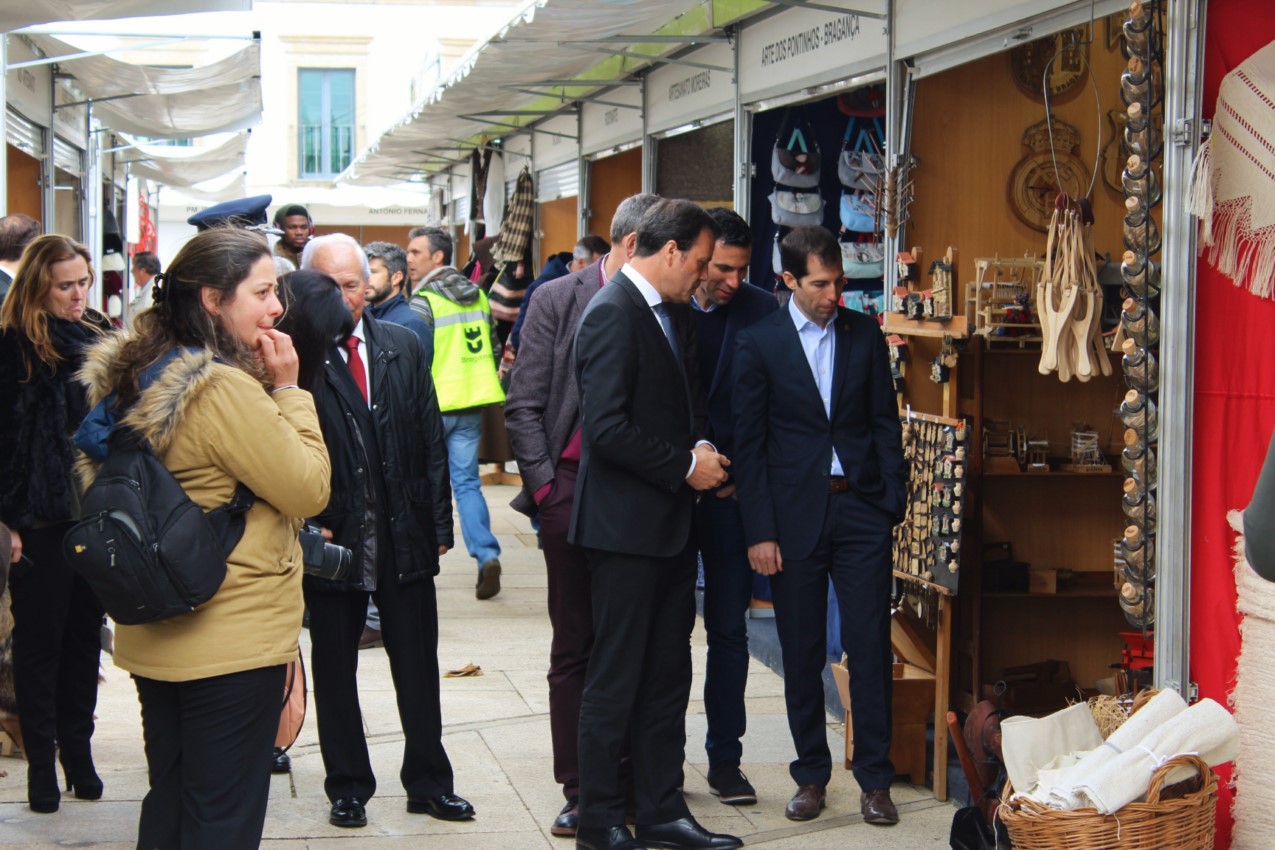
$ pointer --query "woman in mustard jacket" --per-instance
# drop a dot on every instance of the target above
(213, 386)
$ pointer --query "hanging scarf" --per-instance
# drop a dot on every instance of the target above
(1233, 185)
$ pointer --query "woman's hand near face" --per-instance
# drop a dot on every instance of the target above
(279, 357)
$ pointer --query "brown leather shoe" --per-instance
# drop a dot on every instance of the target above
(806, 804)
(878, 808)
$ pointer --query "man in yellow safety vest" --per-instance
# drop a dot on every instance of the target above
(466, 352)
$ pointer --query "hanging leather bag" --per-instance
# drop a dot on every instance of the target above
(795, 160)
(862, 166)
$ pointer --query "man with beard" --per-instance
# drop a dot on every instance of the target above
(385, 299)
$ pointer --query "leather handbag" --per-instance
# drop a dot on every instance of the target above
(791, 208)
(862, 166)
(862, 260)
(794, 161)
(859, 213)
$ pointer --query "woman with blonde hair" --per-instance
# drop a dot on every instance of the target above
(45, 329)
(210, 383)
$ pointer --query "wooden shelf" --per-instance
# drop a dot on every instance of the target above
(1083, 593)
(956, 327)
(1058, 474)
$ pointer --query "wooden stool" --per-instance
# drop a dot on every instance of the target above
(912, 707)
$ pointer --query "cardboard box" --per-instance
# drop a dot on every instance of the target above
(1042, 581)
(913, 708)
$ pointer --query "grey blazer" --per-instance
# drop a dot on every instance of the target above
(542, 410)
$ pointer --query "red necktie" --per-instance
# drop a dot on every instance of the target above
(355, 362)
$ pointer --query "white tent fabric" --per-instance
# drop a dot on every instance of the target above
(526, 50)
(17, 14)
(221, 109)
(184, 167)
(167, 103)
(236, 187)
(102, 76)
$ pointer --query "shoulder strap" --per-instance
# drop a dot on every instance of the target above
(870, 139)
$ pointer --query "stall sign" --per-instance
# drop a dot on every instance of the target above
(28, 88)
(678, 94)
(550, 148)
(68, 122)
(604, 126)
(804, 47)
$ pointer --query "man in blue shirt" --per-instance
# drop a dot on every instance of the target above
(387, 263)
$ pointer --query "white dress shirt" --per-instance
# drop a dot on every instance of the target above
(819, 345)
(345, 355)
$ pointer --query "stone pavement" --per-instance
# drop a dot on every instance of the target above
(497, 734)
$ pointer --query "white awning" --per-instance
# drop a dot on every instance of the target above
(16, 14)
(530, 48)
(166, 103)
(187, 166)
(213, 192)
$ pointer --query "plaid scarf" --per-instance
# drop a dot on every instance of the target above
(520, 219)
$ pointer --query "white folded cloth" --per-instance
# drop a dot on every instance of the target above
(1031, 743)
(1058, 789)
(1205, 729)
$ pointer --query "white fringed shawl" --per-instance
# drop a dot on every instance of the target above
(1233, 185)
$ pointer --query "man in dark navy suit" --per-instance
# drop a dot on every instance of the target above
(642, 460)
(724, 305)
(821, 481)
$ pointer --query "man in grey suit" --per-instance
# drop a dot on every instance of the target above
(542, 414)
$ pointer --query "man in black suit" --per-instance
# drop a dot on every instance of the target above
(821, 480)
(641, 462)
(724, 305)
(391, 507)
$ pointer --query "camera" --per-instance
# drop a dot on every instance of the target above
(322, 559)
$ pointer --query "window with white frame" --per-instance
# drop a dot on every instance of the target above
(326, 121)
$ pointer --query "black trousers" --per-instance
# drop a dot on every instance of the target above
(208, 753)
(638, 685)
(57, 643)
(854, 552)
(409, 627)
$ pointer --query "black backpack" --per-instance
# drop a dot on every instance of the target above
(147, 550)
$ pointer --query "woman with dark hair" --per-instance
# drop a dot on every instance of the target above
(45, 328)
(314, 315)
(212, 385)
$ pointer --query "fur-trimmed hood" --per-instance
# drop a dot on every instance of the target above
(168, 388)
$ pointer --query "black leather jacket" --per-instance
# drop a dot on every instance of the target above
(407, 427)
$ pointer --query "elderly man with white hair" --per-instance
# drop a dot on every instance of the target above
(392, 508)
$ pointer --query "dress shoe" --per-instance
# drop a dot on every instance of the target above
(82, 779)
(567, 821)
(731, 786)
(348, 812)
(807, 803)
(442, 806)
(606, 838)
(878, 808)
(43, 795)
(370, 639)
(280, 762)
(488, 580)
(684, 834)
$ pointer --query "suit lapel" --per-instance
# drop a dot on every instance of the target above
(734, 319)
(796, 356)
(339, 377)
(841, 356)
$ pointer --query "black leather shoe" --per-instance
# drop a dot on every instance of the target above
(443, 807)
(281, 762)
(348, 812)
(568, 820)
(606, 838)
(684, 834)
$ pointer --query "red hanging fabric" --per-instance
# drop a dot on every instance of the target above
(1234, 407)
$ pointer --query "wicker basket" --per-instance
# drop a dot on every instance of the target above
(1180, 817)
